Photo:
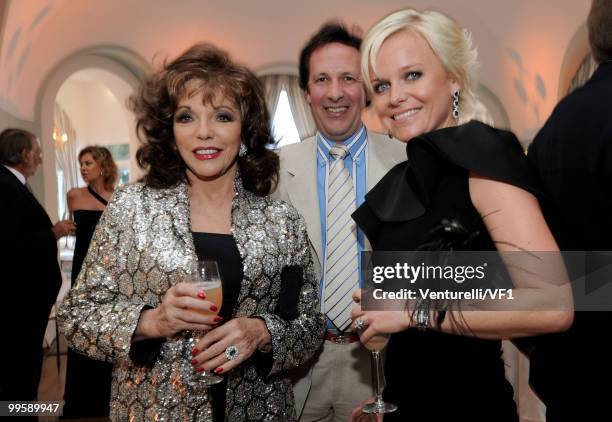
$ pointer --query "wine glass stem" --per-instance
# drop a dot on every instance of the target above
(378, 374)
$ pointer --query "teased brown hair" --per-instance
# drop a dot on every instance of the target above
(156, 103)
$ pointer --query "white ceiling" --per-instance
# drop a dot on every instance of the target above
(522, 43)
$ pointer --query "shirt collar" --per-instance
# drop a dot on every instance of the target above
(353, 143)
(17, 174)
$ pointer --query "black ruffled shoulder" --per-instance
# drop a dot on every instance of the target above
(403, 193)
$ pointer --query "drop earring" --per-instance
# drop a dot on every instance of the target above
(242, 151)
(456, 104)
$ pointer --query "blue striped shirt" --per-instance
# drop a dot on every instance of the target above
(356, 163)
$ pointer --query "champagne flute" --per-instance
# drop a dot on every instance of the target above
(208, 279)
(376, 345)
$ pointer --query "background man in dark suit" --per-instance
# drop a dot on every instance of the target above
(29, 268)
(573, 156)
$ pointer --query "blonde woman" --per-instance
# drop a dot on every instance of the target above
(465, 186)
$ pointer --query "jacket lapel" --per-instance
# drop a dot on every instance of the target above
(175, 202)
(302, 190)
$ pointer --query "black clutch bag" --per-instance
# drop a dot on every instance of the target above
(292, 279)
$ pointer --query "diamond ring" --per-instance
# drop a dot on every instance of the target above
(359, 324)
(232, 352)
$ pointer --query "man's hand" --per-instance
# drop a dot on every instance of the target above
(63, 228)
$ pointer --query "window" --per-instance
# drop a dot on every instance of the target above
(289, 110)
(283, 125)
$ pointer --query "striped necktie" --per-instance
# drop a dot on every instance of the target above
(341, 268)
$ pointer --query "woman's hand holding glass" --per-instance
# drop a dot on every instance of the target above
(184, 307)
(374, 328)
(378, 322)
(246, 335)
(207, 277)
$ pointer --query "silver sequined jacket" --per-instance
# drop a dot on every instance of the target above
(142, 246)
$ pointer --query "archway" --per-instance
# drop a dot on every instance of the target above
(118, 61)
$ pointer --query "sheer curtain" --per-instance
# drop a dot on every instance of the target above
(301, 111)
(273, 85)
(64, 141)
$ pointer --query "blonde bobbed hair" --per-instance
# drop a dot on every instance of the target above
(449, 42)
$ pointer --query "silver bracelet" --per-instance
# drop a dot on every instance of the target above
(422, 316)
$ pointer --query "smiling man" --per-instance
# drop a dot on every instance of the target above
(325, 177)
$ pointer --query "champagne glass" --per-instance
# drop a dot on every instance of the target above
(207, 277)
(376, 345)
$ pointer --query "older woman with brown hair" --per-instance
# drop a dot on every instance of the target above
(204, 128)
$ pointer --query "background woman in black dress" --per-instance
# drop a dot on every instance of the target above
(88, 381)
(467, 180)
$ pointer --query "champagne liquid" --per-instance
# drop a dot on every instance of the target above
(377, 343)
(214, 295)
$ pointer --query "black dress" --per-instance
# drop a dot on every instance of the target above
(223, 249)
(434, 376)
(88, 381)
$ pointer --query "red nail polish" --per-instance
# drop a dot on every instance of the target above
(194, 362)
(213, 308)
(195, 352)
(200, 369)
(218, 371)
(202, 295)
(217, 319)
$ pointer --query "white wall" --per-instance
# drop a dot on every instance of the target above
(95, 100)
(522, 44)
